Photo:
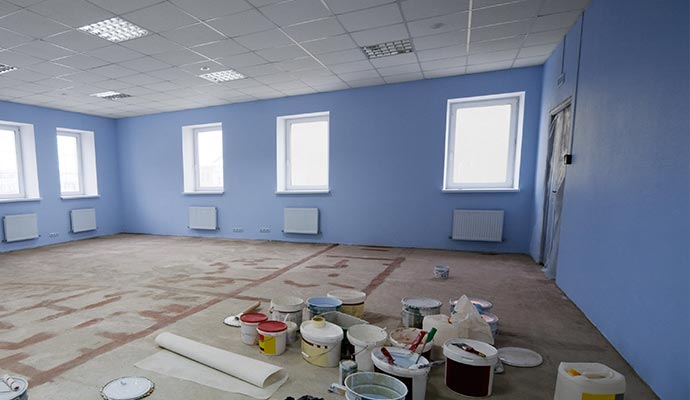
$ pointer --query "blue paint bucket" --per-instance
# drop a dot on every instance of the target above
(323, 304)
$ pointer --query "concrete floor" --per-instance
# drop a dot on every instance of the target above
(76, 315)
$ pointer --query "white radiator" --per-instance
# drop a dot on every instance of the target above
(203, 218)
(479, 225)
(83, 220)
(301, 220)
(20, 227)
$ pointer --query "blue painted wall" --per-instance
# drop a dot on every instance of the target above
(625, 231)
(386, 166)
(53, 212)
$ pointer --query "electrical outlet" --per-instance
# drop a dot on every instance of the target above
(53, 234)
(265, 230)
(238, 229)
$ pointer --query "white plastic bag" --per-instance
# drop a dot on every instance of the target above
(471, 325)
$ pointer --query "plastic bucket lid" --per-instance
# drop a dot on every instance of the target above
(328, 334)
(490, 319)
(403, 359)
(348, 296)
(455, 353)
(11, 395)
(366, 335)
(324, 302)
(421, 303)
(272, 326)
(253, 318)
(287, 304)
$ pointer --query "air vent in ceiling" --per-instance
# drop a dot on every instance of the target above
(110, 95)
(6, 68)
(222, 76)
(115, 30)
(388, 48)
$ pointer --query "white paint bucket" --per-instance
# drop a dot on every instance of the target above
(321, 342)
(248, 324)
(372, 385)
(272, 337)
(404, 337)
(597, 380)
(414, 379)
(467, 373)
(365, 337)
(353, 301)
(287, 308)
(441, 272)
(291, 332)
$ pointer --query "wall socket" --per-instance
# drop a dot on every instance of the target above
(53, 234)
(265, 230)
(238, 229)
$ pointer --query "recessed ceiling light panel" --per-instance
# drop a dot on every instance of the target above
(115, 29)
(110, 95)
(6, 68)
(388, 48)
(222, 76)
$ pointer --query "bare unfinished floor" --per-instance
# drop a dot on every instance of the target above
(77, 315)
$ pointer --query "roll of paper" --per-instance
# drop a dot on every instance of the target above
(11, 383)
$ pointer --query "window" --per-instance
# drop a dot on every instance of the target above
(202, 148)
(77, 163)
(483, 140)
(18, 170)
(302, 153)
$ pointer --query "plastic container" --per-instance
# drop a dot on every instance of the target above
(492, 320)
(291, 332)
(287, 308)
(596, 381)
(272, 337)
(467, 373)
(248, 324)
(441, 272)
(483, 306)
(321, 341)
(372, 385)
(365, 337)
(404, 337)
(444, 331)
(416, 308)
(21, 394)
(414, 379)
(344, 321)
(323, 304)
(353, 301)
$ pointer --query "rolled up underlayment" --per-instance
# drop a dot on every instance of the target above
(214, 367)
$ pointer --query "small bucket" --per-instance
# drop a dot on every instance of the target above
(321, 342)
(365, 338)
(441, 272)
(467, 373)
(248, 324)
(483, 306)
(287, 308)
(323, 304)
(492, 320)
(272, 337)
(416, 308)
(404, 337)
(6, 393)
(415, 379)
(344, 321)
(353, 301)
(374, 386)
(291, 332)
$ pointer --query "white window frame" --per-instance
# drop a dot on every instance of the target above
(88, 173)
(512, 183)
(27, 165)
(190, 159)
(20, 162)
(80, 163)
(283, 162)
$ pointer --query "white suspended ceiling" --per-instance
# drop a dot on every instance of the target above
(284, 48)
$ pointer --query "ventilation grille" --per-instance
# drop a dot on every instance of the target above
(223, 76)
(110, 95)
(388, 48)
(6, 68)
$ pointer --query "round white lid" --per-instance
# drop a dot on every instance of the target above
(330, 333)
(520, 357)
(348, 296)
(421, 303)
(455, 353)
(287, 303)
(7, 394)
(127, 388)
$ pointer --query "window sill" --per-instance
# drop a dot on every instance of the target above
(203, 193)
(482, 190)
(20, 199)
(324, 191)
(81, 196)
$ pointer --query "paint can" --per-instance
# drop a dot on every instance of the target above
(291, 332)
(344, 321)
(272, 337)
(441, 272)
(373, 385)
(353, 301)
(323, 304)
(416, 308)
(345, 369)
(467, 373)
(577, 381)
(248, 324)
(127, 388)
(365, 338)
(480, 304)
(287, 308)
(14, 388)
(404, 337)
(321, 341)
(492, 320)
(415, 379)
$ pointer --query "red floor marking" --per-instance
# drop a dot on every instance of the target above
(338, 265)
(46, 303)
(300, 285)
(251, 298)
(362, 257)
(6, 325)
(334, 275)
(12, 363)
(37, 338)
(341, 285)
(69, 311)
(380, 278)
(88, 323)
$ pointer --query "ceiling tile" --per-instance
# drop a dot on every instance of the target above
(380, 35)
(441, 53)
(412, 76)
(275, 78)
(496, 45)
(329, 87)
(206, 9)
(366, 82)
(195, 69)
(140, 79)
(343, 56)
(547, 37)
(14, 59)
(282, 53)
(439, 73)
(44, 50)
(536, 51)
(113, 71)
(193, 35)
(124, 6)
(23, 75)
(506, 13)
(418, 9)
(359, 75)
(344, 6)
(322, 80)
(258, 70)
(160, 17)
(241, 60)
(221, 48)
(84, 77)
(77, 41)
(294, 84)
(179, 57)
(115, 53)
(484, 58)
(30, 24)
(331, 44)
(445, 63)
(495, 66)
(243, 23)
(81, 61)
(436, 25)
(151, 44)
(399, 69)
(55, 83)
(315, 29)
(559, 6)
(74, 13)
(528, 62)
(371, 18)
(264, 40)
(399, 59)
(477, 4)
(50, 69)
(296, 11)
(455, 38)
(10, 39)
(7, 8)
(555, 21)
(298, 64)
(501, 30)
(145, 64)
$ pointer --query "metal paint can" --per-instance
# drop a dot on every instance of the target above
(6, 393)
(416, 308)
(347, 368)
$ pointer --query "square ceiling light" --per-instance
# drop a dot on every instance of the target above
(388, 48)
(110, 95)
(223, 76)
(6, 68)
(115, 30)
